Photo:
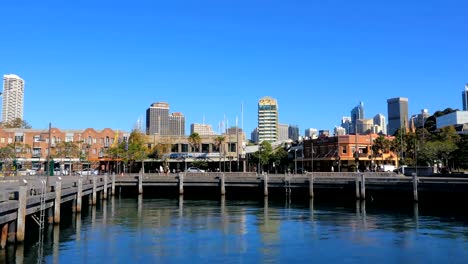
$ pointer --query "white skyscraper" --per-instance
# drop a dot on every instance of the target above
(267, 120)
(13, 98)
(379, 120)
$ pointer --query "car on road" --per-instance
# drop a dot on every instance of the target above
(26, 172)
(194, 169)
(87, 172)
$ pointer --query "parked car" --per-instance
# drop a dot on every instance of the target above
(26, 172)
(194, 169)
(86, 172)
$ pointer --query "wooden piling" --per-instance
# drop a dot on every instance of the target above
(94, 197)
(11, 239)
(265, 184)
(79, 195)
(105, 188)
(311, 186)
(21, 220)
(415, 187)
(363, 187)
(223, 186)
(58, 200)
(4, 237)
(181, 183)
(358, 193)
(113, 185)
(140, 182)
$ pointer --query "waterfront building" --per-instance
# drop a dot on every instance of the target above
(397, 114)
(159, 121)
(380, 124)
(32, 147)
(293, 132)
(13, 98)
(267, 119)
(465, 98)
(202, 129)
(283, 132)
(338, 152)
(311, 133)
(356, 113)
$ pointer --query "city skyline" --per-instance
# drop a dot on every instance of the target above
(88, 68)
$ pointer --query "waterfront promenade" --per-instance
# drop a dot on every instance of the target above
(44, 198)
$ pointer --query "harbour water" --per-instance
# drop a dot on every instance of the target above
(150, 230)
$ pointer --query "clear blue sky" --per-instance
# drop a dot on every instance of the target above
(101, 63)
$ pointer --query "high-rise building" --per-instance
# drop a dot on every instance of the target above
(311, 133)
(283, 132)
(202, 129)
(176, 124)
(293, 132)
(364, 126)
(267, 119)
(419, 119)
(465, 98)
(159, 121)
(340, 131)
(324, 133)
(346, 124)
(356, 113)
(254, 135)
(13, 98)
(379, 120)
(397, 114)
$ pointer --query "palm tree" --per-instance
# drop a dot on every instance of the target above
(218, 141)
(195, 141)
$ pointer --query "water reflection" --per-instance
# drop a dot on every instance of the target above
(183, 230)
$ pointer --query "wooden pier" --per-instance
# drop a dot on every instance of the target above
(41, 198)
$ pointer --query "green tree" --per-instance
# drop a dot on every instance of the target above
(195, 140)
(219, 141)
(133, 150)
(263, 155)
(16, 123)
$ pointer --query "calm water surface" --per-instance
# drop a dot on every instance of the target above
(207, 231)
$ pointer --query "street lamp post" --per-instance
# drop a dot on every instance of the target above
(295, 161)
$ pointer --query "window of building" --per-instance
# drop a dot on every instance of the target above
(90, 140)
(232, 147)
(184, 147)
(19, 138)
(2, 140)
(205, 148)
(37, 138)
(175, 148)
(344, 150)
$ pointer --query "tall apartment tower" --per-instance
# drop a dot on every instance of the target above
(13, 97)
(397, 114)
(356, 113)
(267, 119)
(159, 121)
(380, 121)
(465, 98)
